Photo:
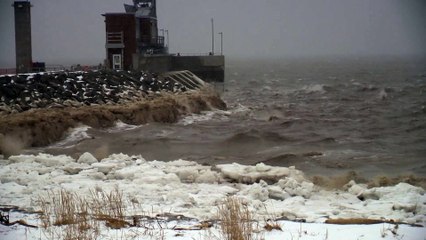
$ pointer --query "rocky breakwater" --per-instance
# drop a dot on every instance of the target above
(36, 109)
(19, 93)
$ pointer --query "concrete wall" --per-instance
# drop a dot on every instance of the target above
(208, 68)
(156, 64)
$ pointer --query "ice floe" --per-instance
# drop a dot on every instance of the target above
(193, 190)
(190, 188)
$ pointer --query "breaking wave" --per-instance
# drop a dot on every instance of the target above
(120, 126)
(316, 88)
(73, 136)
(41, 127)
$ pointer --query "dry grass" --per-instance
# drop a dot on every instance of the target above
(236, 222)
(272, 225)
(109, 207)
(65, 215)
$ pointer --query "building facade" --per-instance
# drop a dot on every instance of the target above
(133, 43)
(132, 32)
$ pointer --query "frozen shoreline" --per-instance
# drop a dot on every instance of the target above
(290, 230)
(193, 190)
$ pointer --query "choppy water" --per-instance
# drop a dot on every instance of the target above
(322, 116)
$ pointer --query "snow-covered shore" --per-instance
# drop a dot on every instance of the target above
(290, 230)
(186, 188)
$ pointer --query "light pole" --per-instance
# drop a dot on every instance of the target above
(167, 34)
(221, 43)
(158, 38)
(212, 53)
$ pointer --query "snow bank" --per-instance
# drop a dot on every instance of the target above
(187, 188)
(290, 230)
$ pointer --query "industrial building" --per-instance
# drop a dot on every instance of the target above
(132, 43)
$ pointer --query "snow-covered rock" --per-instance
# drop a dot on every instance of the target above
(87, 158)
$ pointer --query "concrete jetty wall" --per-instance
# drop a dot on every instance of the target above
(208, 68)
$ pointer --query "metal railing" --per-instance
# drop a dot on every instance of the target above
(195, 54)
(55, 67)
(52, 68)
(146, 40)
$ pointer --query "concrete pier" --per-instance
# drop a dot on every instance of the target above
(208, 68)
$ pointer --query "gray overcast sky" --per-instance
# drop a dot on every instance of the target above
(72, 31)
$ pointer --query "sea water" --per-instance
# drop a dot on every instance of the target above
(324, 116)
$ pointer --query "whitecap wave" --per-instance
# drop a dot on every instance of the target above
(314, 88)
(382, 94)
(73, 136)
(219, 115)
(120, 126)
(216, 115)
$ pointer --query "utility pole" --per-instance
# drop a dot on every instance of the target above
(221, 43)
(212, 37)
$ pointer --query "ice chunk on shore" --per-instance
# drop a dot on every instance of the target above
(403, 196)
(106, 167)
(256, 191)
(295, 188)
(21, 159)
(354, 188)
(52, 161)
(402, 190)
(87, 158)
(46, 160)
(191, 172)
(252, 174)
(74, 168)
